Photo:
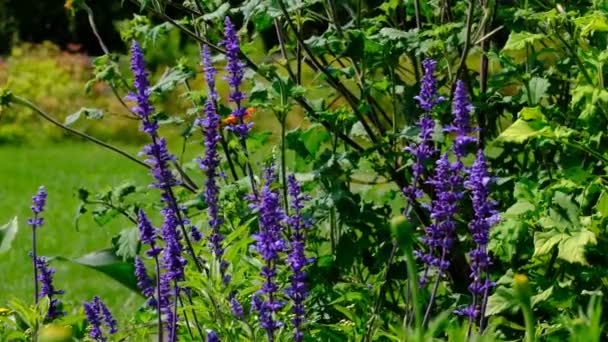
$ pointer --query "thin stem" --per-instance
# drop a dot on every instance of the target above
(412, 277)
(174, 322)
(187, 321)
(158, 304)
(284, 165)
(378, 300)
(467, 40)
(484, 303)
(35, 257)
(427, 314)
(198, 326)
(24, 102)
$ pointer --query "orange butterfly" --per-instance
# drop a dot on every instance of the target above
(231, 120)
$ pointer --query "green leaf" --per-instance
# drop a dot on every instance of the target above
(572, 249)
(171, 78)
(518, 40)
(108, 263)
(590, 23)
(502, 300)
(602, 204)
(530, 124)
(7, 234)
(89, 113)
(538, 89)
(545, 241)
(126, 243)
(541, 297)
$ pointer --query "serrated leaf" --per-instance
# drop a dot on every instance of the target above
(572, 249)
(108, 263)
(126, 243)
(501, 300)
(7, 234)
(530, 124)
(541, 297)
(518, 40)
(544, 242)
(537, 90)
(89, 113)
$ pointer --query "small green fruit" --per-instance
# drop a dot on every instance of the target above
(402, 230)
(55, 333)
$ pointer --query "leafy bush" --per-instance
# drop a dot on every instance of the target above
(448, 182)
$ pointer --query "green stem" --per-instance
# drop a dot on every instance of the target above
(526, 308)
(412, 277)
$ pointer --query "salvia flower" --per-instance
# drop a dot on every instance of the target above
(143, 107)
(236, 72)
(97, 312)
(210, 125)
(144, 282)
(424, 149)
(297, 258)
(440, 233)
(173, 261)
(147, 234)
(485, 216)
(45, 278)
(236, 308)
(428, 96)
(269, 244)
(461, 127)
(38, 202)
(212, 337)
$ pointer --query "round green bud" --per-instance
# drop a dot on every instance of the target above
(402, 230)
(55, 333)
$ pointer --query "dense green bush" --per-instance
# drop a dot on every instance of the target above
(385, 135)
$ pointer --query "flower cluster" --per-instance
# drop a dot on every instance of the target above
(210, 125)
(47, 289)
(235, 68)
(297, 259)
(485, 216)
(159, 160)
(461, 127)
(424, 149)
(269, 244)
(448, 187)
(38, 202)
(96, 312)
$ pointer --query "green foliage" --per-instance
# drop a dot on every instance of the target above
(341, 120)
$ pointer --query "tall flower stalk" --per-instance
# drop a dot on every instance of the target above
(424, 149)
(269, 245)
(47, 289)
(148, 235)
(97, 313)
(297, 258)
(158, 155)
(210, 125)
(440, 233)
(485, 216)
(38, 202)
(235, 72)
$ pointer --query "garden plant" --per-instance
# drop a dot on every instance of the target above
(397, 170)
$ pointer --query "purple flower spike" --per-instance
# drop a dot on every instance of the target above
(96, 312)
(236, 308)
(143, 108)
(235, 68)
(38, 202)
(210, 126)
(212, 337)
(461, 126)
(269, 244)
(485, 216)
(297, 258)
(45, 278)
(144, 282)
(428, 96)
(440, 233)
(172, 256)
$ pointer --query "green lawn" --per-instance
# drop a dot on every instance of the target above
(62, 169)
